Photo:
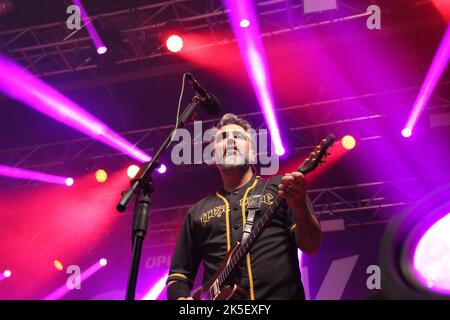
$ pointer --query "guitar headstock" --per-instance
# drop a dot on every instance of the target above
(318, 155)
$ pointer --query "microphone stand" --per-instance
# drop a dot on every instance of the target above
(143, 187)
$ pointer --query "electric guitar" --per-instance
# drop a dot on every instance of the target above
(224, 284)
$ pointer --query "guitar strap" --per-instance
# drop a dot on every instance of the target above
(254, 204)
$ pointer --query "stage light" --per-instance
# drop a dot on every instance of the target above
(63, 289)
(69, 182)
(19, 84)
(132, 171)
(24, 174)
(253, 55)
(162, 169)
(101, 176)
(300, 257)
(348, 142)
(244, 23)
(415, 250)
(58, 265)
(432, 257)
(406, 132)
(7, 273)
(174, 43)
(443, 6)
(156, 289)
(98, 43)
(103, 262)
(437, 67)
(102, 50)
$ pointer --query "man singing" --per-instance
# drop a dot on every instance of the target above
(215, 223)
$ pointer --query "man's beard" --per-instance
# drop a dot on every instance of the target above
(234, 162)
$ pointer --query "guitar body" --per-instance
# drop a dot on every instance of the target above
(231, 290)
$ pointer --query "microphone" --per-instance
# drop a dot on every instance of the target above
(209, 102)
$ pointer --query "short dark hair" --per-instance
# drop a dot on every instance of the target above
(230, 118)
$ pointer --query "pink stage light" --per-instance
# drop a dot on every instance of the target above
(244, 23)
(252, 52)
(63, 290)
(434, 73)
(132, 171)
(157, 288)
(5, 275)
(103, 262)
(69, 182)
(300, 257)
(406, 132)
(432, 257)
(174, 43)
(443, 6)
(33, 175)
(162, 169)
(99, 45)
(102, 50)
(19, 84)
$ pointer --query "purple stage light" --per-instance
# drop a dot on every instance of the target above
(33, 175)
(432, 257)
(103, 262)
(434, 73)
(252, 52)
(69, 182)
(64, 289)
(102, 50)
(162, 169)
(19, 84)
(244, 23)
(99, 45)
(157, 288)
(5, 275)
(406, 132)
(300, 257)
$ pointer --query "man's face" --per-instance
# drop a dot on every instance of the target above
(232, 148)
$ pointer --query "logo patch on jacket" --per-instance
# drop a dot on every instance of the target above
(212, 213)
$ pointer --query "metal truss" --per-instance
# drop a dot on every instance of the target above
(358, 205)
(303, 126)
(52, 49)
